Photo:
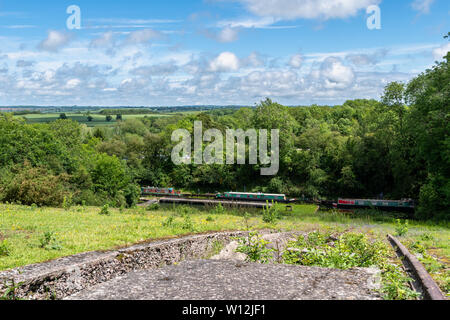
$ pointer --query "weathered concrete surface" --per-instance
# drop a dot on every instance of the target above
(236, 280)
(63, 277)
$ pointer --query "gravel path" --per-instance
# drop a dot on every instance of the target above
(236, 280)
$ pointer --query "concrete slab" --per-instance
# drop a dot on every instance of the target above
(236, 280)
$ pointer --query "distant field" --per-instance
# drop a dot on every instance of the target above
(98, 120)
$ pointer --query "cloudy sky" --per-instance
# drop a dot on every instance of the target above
(179, 52)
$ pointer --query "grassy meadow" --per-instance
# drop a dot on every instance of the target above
(98, 119)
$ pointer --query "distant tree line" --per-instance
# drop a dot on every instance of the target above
(111, 112)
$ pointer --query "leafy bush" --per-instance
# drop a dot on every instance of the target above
(395, 284)
(4, 248)
(132, 193)
(105, 210)
(109, 175)
(169, 222)
(254, 246)
(219, 209)
(154, 207)
(28, 185)
(187, 223)
(271, 214)
(67, 203)
(348, 251)
(48, 241)
(401, 227)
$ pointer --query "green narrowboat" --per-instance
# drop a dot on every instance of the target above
(245, 196)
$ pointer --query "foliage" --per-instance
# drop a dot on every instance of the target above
(348, 251)
(131, 192)
(4, 248)
(401, 227)
(169, 222)
(33, 185)
(105, 211)
(271, 213)
(351, 250)
(48, 241)
(154, 207)
(254, 246)
(395, 284)
(11, 292)
(219, 209)
(397, 147)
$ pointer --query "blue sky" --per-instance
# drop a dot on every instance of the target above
(152, 53)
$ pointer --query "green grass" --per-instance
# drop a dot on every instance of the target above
(98, 119)
(31, 235)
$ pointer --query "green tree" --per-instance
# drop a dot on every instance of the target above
(109, 175)
(429, 125)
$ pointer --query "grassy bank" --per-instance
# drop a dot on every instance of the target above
(30, 235)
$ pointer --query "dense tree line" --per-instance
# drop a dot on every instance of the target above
(397, 147)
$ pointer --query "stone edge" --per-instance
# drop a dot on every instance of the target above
(430, 289)
(66, 276)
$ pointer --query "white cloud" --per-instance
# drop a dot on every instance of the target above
(225, 35)
(55, 41)
(21, 26)
(142, 36)
(259, 23)
(296, 61)
(24, 64)
(441, 52)
(254, 60)
(72, 83)
(335, 74)
(423, 6)
(228, 34)
(307, 9)
(105, 40)
(226, 61)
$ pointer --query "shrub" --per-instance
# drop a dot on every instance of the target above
(254, 246)
(67, 203)
(4, 248)
(350, 250)
(219, 209)
(401, 227)
(109, 176)
(154, 207)
(105, 210)
(48, 241)
(132, 193)
(187, 223)
(34, 185)
(169, 222)
(271, 214)
(276, 185)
